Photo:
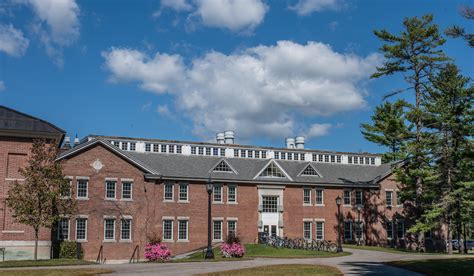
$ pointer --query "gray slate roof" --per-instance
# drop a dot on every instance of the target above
(12, 120)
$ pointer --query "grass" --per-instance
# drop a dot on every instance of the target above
(277, 270)
(52, 262)
(439, 267)
(265, 251)
(386, 249)
(56, 272)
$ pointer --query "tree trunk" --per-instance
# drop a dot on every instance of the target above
(36, 244)
(418, 180)
(449, 238)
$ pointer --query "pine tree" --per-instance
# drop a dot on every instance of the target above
(448, 115)
(457, 31)
(44, 195)
(415, 53)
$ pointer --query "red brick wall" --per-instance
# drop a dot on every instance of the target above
(14, 153)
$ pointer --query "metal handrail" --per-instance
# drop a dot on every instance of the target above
(100, 257)
(135, 252)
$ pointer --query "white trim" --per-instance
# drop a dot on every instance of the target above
(391, 198)
(396, 198)
(307, 219)
(13, 231)
(311, 165)
(310, 221)
(222, 194)
(131, 189)
(316, 197)
(126, 179)
(316, 229)
(167, 218)
(115, 188)
(218, 218)
(14, 179)
(77, 189)
(172, 191)
(114, 220)
(232, 218)
(86, 219)
(23, 243)
(68, 228)
(130, 229)
(221, 220)
(235, 189)
(234, 171)
(187, 230)
(307, 203)
(82, 177)
(266, 166)
(343, 197)
(82, 216)
(179, 192)
(163, 228)
(111, 179)
(110, 217)
(320, 219)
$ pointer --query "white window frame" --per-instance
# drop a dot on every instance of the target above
(386, 229)
(316, 197)
(213, 230)
(322, 221)
(68, 229)
(115, 189)
(361, 192)
(180, 184)
(391, 197)
(172, 192)
(309, 196)
(310, 222)
(131, 189)
(105, 227)
(187, 229)
(235, 193)
(398, 198)
(82, 178)
(171, 219)
(234, 220)
(213, 194)
(403, 228)
(351, 230)
(130, 229)
(86, 219)
(344, 198)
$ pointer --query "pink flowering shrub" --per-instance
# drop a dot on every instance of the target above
(232, 250)
(157, 252)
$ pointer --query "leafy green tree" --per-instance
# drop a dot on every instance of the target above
(414, 53)
(389, 128)
(44, 195)
(457, 31)
(448, 116)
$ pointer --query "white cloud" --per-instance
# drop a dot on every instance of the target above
(177, 5)
(2, 86)
(163, 110)
(306, 7)
(56, 24)
(260, 91)
(233, 15)
(317, 130)
(12, 41)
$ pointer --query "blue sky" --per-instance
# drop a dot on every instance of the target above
(187, 69)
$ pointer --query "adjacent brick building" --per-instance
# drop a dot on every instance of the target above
(129, 190)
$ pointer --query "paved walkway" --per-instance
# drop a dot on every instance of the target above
(361, 262)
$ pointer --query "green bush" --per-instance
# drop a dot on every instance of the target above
(67, 250)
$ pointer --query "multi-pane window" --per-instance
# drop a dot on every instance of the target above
(132, 146)
(250, 153)
(163, 148)
(217, 230)
(348, 230)
(232, 228)
(257, 154)
(82, 188)
(320, 158)
(347, 197)
(208, 151)
(217, 193)
(81, 229)
(306, 196)
(270, 204)
(168, 191)
(124, 145)
(309, 170)
(388, 196)
(359, 230)
(126, 229)
(183, 192)
(147, 147)
(359, 197)
(338, 159)
(243, 153)
(201, 150)
(349, 160)
(326, 158)
(389, 230)
(127, 190)
(171, 148)
(307, 230)
(156, 147)
(315, 157)
(372, 161)
(110, 189)
(264, 154)
(319, 230)
(231, 194)
(222, 152)
(319, 197)
(400, 229)
(333, 158)
(179, 149)
(63, 229)
(399, 199)
(272, 170)
(182, 230)
(236, 153)
(222, 167)
(109, 229)
(193, 150)
(167, 229)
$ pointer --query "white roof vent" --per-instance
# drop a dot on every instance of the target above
(299, 141)
(220, 138)
(229, 137)
(290, 143)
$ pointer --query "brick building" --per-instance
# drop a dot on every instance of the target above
(131, 189)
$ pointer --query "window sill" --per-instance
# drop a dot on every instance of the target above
(183, 241)
(126, 241)
(220, 240)
(232, 202)
(126, 199)
(183, 201)
(217, 202)
(168, 200)
(319, 205)
(165, 240)
(81, 240)
(111, 199)
(346, 205)
(307, 204)
(13, 231)
(399, 206)
(109, 241)
(82, 198)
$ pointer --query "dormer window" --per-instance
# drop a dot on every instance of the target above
(272, 171)
(310, 171)
(223, 166)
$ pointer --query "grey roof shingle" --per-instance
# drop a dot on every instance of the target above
(12, 120)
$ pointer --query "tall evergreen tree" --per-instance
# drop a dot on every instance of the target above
(389, 128)
(457, 31)
(448, 115)
(415, 53)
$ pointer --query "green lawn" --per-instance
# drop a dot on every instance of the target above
(265, 251)
(56, 272)
(439, 267)
(386, 249)
(280, 270)
(52, 262)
